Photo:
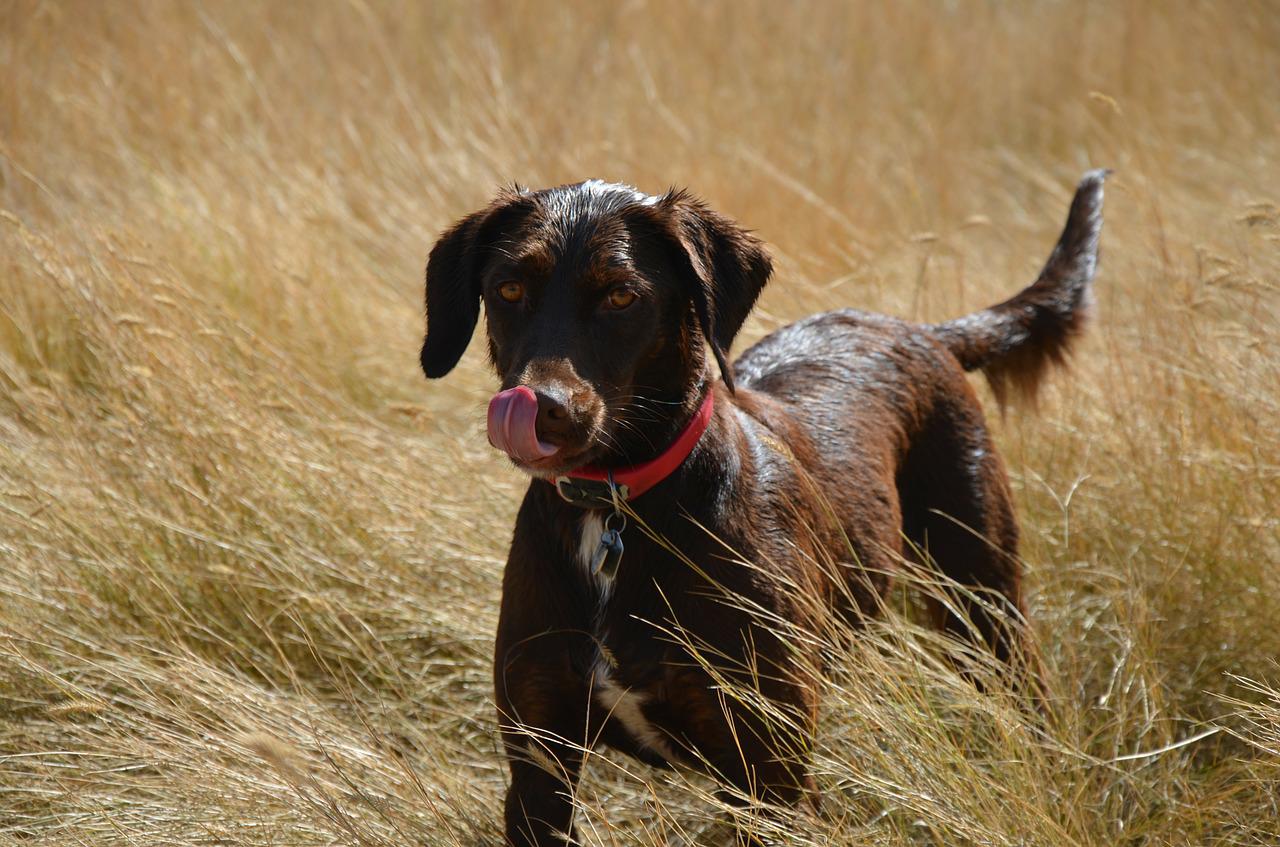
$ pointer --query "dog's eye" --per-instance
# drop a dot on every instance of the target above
(620, 298)
(511, 291)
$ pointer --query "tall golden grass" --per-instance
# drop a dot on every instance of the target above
(251, 559)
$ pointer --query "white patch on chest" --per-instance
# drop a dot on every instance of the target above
(588, 542)
(589, 539)
(626, 707)
(621, 703)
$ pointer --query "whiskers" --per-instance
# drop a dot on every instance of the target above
(639, 422)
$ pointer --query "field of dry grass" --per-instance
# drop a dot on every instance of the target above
(249, 558)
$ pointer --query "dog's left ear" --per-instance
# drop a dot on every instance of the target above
(728, 268)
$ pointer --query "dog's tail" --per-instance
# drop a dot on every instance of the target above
(1016, 342)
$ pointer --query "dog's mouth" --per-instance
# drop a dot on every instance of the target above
(513, 426)
(513, 429)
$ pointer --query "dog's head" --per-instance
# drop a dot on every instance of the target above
(601, 302)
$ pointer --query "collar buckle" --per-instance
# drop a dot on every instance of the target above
(591, 493)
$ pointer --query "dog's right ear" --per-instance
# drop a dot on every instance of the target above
(454, 271)
(727, 265)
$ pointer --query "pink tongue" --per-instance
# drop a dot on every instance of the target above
(513, 418)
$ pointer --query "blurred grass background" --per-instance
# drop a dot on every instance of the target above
(251, 558)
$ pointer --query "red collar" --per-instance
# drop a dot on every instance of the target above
(589, 485)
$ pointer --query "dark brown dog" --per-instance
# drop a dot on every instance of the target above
(847, 438)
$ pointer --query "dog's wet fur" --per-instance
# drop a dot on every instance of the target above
(841, 447)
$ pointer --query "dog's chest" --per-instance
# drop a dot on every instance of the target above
(608, 676)
(590, 531)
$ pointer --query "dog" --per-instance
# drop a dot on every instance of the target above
(665, 480)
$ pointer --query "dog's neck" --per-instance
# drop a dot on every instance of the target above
(594, 485)
(659, 408)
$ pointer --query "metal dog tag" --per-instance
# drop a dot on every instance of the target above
(608, 554)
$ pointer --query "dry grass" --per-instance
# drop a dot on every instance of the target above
(251, 559)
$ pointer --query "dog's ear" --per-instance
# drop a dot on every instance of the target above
(454, 271)
(727, 268)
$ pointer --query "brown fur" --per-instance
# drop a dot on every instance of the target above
(840, 446)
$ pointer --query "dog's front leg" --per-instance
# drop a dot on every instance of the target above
(543, 731)
(541, 692)
(759, 741)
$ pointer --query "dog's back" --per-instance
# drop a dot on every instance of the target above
(879, 414)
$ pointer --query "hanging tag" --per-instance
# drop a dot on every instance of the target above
(608, 554)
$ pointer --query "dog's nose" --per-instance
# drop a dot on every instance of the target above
(555, 422)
